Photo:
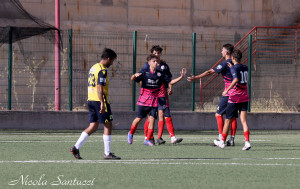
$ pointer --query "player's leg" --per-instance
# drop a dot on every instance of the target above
(107, 131)
(220, 111)
(162, 101)
(93, 119)
(142, 113)
(146, 125)
(170, 127)
(106, 119)
(152, 117)
(161, 125)
(230, 112)
(233, 129)
(243, 117)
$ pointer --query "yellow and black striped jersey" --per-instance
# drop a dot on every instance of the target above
(97, 76)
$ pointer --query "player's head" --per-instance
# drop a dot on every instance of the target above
(153, 60)
(227, 50)
(156, 49)
(109, 55)
(237, 56)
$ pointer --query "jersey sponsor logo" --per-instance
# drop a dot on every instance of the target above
(150, 81)
(219, 67)
(102, 80)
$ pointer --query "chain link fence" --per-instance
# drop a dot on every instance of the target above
(34, 66)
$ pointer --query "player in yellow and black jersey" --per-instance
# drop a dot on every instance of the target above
(98, 104)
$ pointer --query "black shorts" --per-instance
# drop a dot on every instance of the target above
(233, 109)
(144, 110)
(162, 105)
(94, 112)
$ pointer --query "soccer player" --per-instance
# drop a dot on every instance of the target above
(163, 105)
(238, 99)
(152, 80)
(98, 104)
(227, 77)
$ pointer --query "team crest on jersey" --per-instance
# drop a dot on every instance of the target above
(162, 67)
(219, 67)
(158, 74)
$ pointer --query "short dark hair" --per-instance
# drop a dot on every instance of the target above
(237, 55)
(108, 53)
(156, 48)
(229, 48)
(152, 56)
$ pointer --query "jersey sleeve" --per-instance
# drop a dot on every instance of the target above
(144, 68)
(102, 77)
(168, 72)
(233, 72)
(166, 79)
(140, 77)
(218, 69)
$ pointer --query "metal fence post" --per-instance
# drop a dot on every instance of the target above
(70, 71)
(193, 70)
(133, 70)
(9, 67)
(249, 71)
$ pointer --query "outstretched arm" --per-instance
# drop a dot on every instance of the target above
(204, 74)
(134, 76)
(182, 75)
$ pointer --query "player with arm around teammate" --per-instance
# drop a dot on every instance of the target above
(152, 80)
(224, 70)
(163, 105)
(98, 105)
(238, 99)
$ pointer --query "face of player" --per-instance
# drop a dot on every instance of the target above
(109, 62)
(157, 53)
(153, 63)
(224, 52)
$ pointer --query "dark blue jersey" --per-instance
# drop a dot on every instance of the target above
(239, 93)
(224, 69)
(151, 85)
(163, 67)
(152, 80)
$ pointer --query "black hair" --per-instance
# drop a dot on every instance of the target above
(229, 48)
(156, 48)
(237, 55)
(108, 53)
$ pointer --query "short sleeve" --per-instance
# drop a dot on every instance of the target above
(102, 77)
(139, 78)
(218, 69)
(144, 68)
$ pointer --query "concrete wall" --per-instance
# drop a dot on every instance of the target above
(180, 16)
(50, 120)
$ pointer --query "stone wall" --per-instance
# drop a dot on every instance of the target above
(179, 16)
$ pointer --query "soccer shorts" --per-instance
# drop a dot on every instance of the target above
(233, 109)
(162, 105)
(222, 105)
(143, 111)
(94, 112)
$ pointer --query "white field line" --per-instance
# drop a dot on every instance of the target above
(156, 162)
(55, 141)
